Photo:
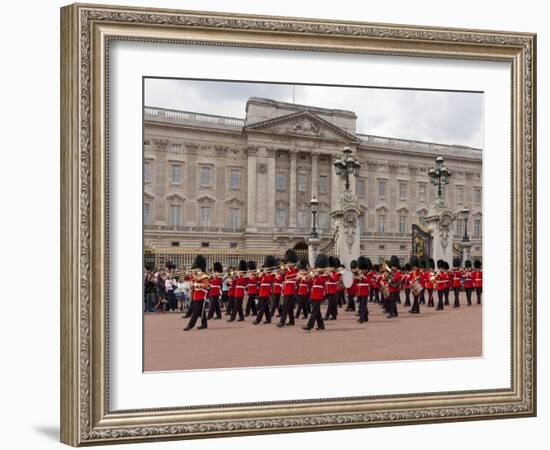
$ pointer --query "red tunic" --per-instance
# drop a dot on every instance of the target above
(266, 281)
(332, 282)
(278, 283)
(457, 275)
(477, 276)
(215, 286)
(373, 280)
(318, 288)
(252, 286)
(352, 290)
(428, 284)
(240, 286)
(362, 286)
(200, 288)
(468, 279)
(303, 284)
(289, 285)
(407, 277)
(397, 277)
(440, 281)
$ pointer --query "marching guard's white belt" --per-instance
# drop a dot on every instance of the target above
(362, 284)
(266, 284)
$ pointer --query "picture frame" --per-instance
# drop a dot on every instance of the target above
(86, 34)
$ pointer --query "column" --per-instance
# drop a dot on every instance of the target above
(334, 189)
(314, 174)
(251, 190)
(292, 218)
(271, 153)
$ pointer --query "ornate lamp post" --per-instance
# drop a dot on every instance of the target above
(439, 176)
(314, 203)
(347, 166)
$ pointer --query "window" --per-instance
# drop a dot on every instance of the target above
(322, 217)
(146, 214)
(402, 224)
(360, 188)
(205, 217)
(301, 219)
(175, 215)
(233, 245)
(280, 181)
(403, 191)
(280, 217)
(381, 247)
(176, 146)
(205, 244)
(302, 182)
(206, 176)
(363, 223)
(477, 195)
(175, 244)
(175, 174)
(460, 194)
(477, 227)
(381, 188)
(323, 184)
(460, 228)
(422, 192)
(147, 172)
(234, 217)
(402, 247)
(382, 223)
(235, 178)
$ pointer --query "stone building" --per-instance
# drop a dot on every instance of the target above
(226, 182)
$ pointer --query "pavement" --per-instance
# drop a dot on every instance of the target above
(451, 333)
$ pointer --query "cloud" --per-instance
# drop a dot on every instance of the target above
(434, 116)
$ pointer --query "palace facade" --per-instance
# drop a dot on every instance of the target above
(226, 182)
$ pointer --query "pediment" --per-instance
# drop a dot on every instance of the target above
(303, 124)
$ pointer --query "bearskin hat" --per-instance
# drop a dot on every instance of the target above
(477, 264)
(363, 263)
(270, 261)
(291, 256)
(423, 264)
(303, 264)
(353, 264)
(242, 265)
(251, 265)
(321, 261)
(218, 267)
(394, 262)
(333, 261)
(431, 263)
(376, 267)
(408, 267)
(200, 263)
(446, 265)
(468, 264)
(440, 264)
(456, 262)
(414, 262)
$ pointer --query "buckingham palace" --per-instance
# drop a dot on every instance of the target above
(246, 183)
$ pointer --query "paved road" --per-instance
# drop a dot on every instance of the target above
(432, 334)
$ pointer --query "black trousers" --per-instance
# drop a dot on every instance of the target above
(199, 309)
(251, 305)
(288, 310)
(303, 306)
(469, 296)
(315, 316)
(225, 298)
(363, 309)
(351, 303)
(407, 297)
(237, 309)
(340, 298)
(276, 304)
(422, 298)
(392, 304)
(446, 293)
(478, 294)
(215, 308)
(430, 298)
(263, 309)
(332, 307)
(416, 304)
(440, 299)
(230, 305)
(457, 300)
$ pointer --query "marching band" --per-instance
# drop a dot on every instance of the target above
(294, 290)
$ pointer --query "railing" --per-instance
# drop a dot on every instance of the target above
(186, 116)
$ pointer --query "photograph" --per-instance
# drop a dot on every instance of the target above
(297, 224)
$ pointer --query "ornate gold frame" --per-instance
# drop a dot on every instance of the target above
(86, 31)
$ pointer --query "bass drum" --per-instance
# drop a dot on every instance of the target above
(347, 278)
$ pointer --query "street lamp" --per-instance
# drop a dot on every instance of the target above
(439, 177)
(465, 212)
(347, 166)
(314, 203)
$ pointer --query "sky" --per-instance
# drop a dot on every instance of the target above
(454, 118)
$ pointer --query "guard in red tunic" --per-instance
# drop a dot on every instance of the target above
(230, 282)
(265, 289)
(332, 289)
(214, 292)
(447, 276)
(352, 290)
(456, 281)
(416, 282)
(278, 280)
(373, 284)
(439, 284)
(422, 269)
(364, 266)
(429, 278)
(340, 289)
(303, 291)
(289, 288)
(468, 281)
(199, 290)
(251, 289)
(477, 276)
(317, 293)
(407, 284)
(241, 282)
(395, 280)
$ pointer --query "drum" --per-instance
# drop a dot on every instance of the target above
(416, 288)
(385, 290)
(347, 278)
